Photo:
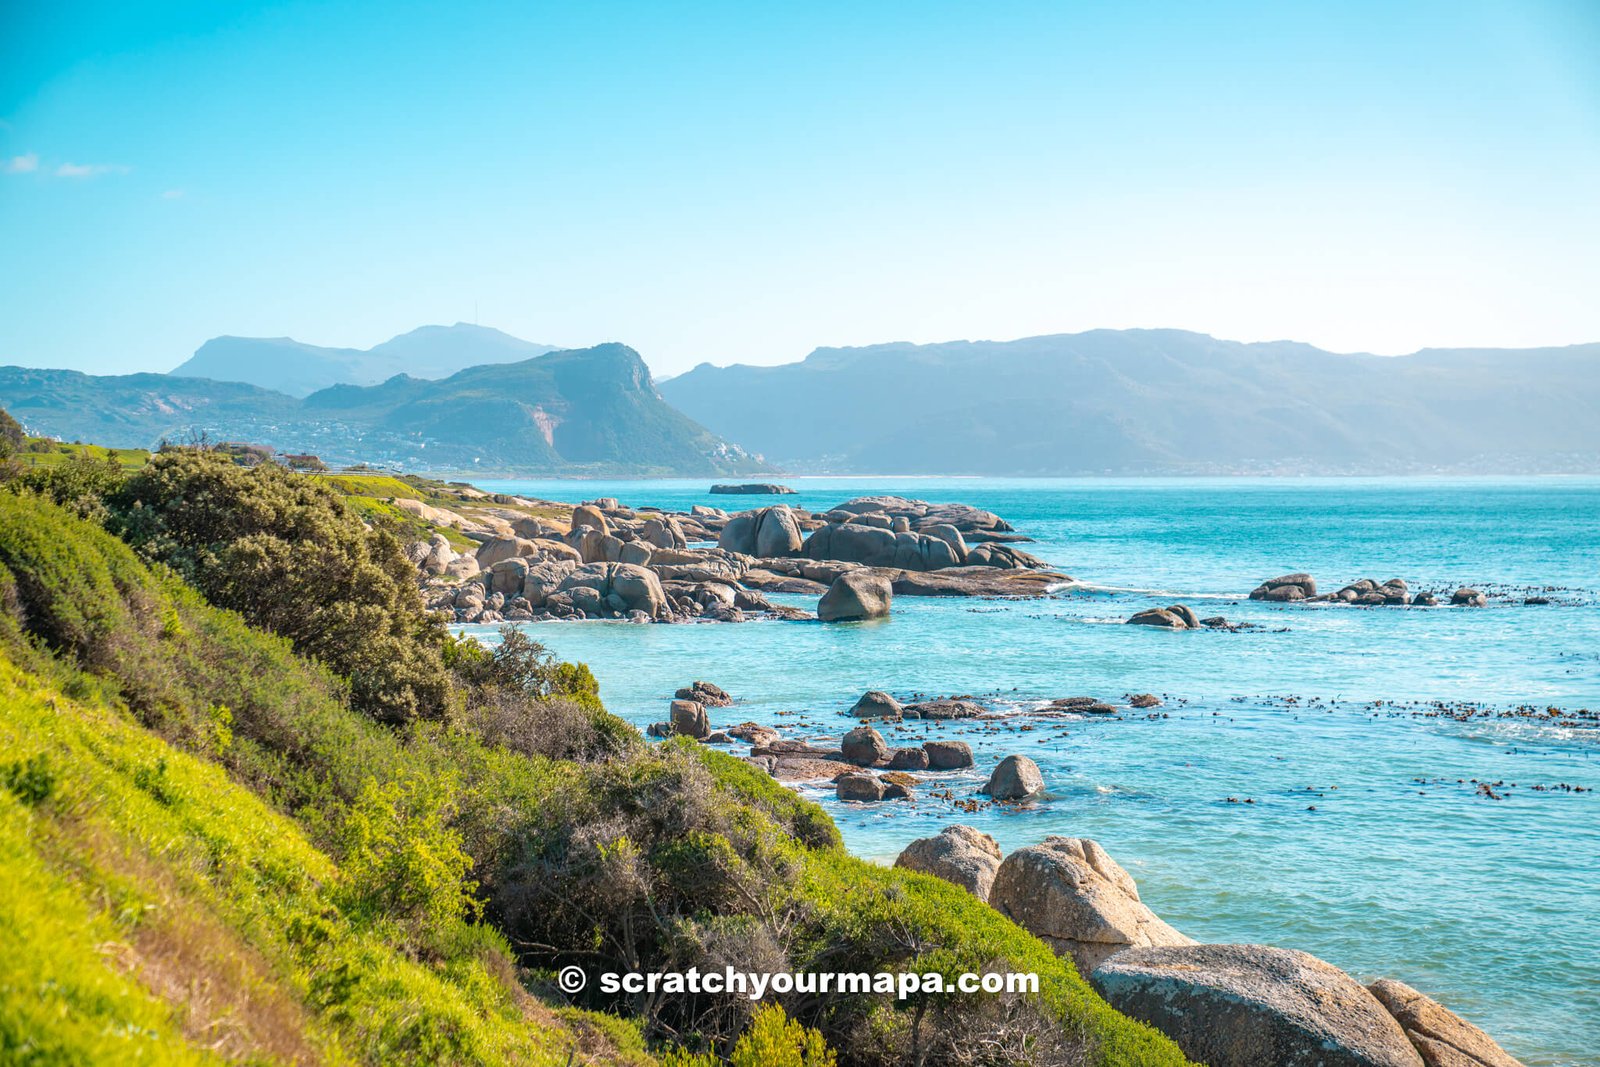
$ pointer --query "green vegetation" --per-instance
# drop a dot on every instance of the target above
(191, 803)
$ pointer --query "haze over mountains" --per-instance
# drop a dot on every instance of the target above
(1156, 402)
(1101, 402)
(294, 367)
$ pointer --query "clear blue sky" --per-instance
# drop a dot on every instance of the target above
(746, 181)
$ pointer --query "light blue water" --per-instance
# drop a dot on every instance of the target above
(1492, 906)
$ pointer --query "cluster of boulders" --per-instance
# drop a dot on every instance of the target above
(1224, 1005)
(876, 704)
(854, 559)
(1368, 592)
(1179, 617)
(752, 489)
(687, 716)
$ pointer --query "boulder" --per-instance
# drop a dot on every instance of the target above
(764, 532)
(855, 596)
(754, 733)
(542, 579)
(589, 515)
(876, 704)
(712, 696)
(463, 567)
(908, 759)
(959, 854)
(1285, 587)
(864, 746)
(635, 552)
(943, 708)
(1468, 597)
(440, 555)
(491, 552)
(508, 575)
(1186, 613)
(663, 533)
(749, 489)
(689, 719)
(1075, 898)
(1016, 778)
(858, 786)
(1441, 1037)
(638, 587)
(1250, 1005)
(1166, 618)
(948, 755)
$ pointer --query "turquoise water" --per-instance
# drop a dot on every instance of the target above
(1492, 906)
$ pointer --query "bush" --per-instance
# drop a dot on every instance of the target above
(283, 551)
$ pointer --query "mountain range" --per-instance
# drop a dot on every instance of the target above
(1156, 402)
(582, 411)
(294, 367)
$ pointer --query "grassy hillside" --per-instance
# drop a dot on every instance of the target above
(212, 854)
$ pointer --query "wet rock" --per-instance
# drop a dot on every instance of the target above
(959, 855)
(807, 769)
(943, 709)
(1250, 1005)
(876, 704)
(754, 733)
(1075, 898)
(1469, 597)
(897, 791)
(1177, 617)
(1144, 700)
(1016, 778)
(855, 596)
(1286, 587)
(908, 759)
(864, 746)
(857, 786)
(948, 755)
(718, 737)
(750, 489)
(1441, 1037)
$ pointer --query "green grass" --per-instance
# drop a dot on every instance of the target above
(43, 452)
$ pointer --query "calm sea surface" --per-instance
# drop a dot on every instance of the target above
(1366, 843)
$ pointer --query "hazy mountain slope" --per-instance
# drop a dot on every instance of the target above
(1156, 401)
(292, 367)
(589, 410)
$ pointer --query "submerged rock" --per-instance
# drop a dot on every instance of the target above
(958, 854)
(1075, 898)
(1250, 1005)
(1285, 587)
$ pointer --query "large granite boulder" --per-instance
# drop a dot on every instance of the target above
(589, 515)
(879, 545)
(1016, 778)
(637, 588)
(688, 717)
(1177, 617)
(1075, 898)
(663, 532)
(1441, 1037)
(1469, 597)
(958, 854)
(491, 552)
(709, 694)
(948, 755)
(769, 532)
(876, 704)
(856, 595)
(542, 579)
(1285, 587)
(864, 746)
(859, 786)
(439, 555)
(1252, 1005)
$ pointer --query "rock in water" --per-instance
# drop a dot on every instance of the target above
(948, 755)
(959, 854)
(1468, 597)
(766, 532)
(855, 595)
(751, 489)
(689, 719)
(1252, 1005)
(1177, 617)
(876, 704)
(1443, 1038)
(1078, 900)
(712, 696)
(864, 746)
(1297, 586)
(858, 786)
(1016, 778)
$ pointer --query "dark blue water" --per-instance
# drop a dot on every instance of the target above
(1491, 905)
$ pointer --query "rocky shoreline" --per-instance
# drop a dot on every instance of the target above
(647, 565)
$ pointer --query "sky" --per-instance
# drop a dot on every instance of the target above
(743, 182)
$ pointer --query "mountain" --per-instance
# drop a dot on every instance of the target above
(289, 366)
(583, 411)
(1156, 401)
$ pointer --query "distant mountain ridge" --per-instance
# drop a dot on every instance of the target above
(299, 369)
(1156, 402)
(583, 411)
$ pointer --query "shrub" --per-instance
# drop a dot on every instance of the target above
(284, 552)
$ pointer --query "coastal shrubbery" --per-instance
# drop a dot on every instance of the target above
(363, 874)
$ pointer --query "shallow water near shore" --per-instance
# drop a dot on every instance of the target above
(1355, 832)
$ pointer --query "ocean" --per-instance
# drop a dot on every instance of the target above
(1300, 786)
